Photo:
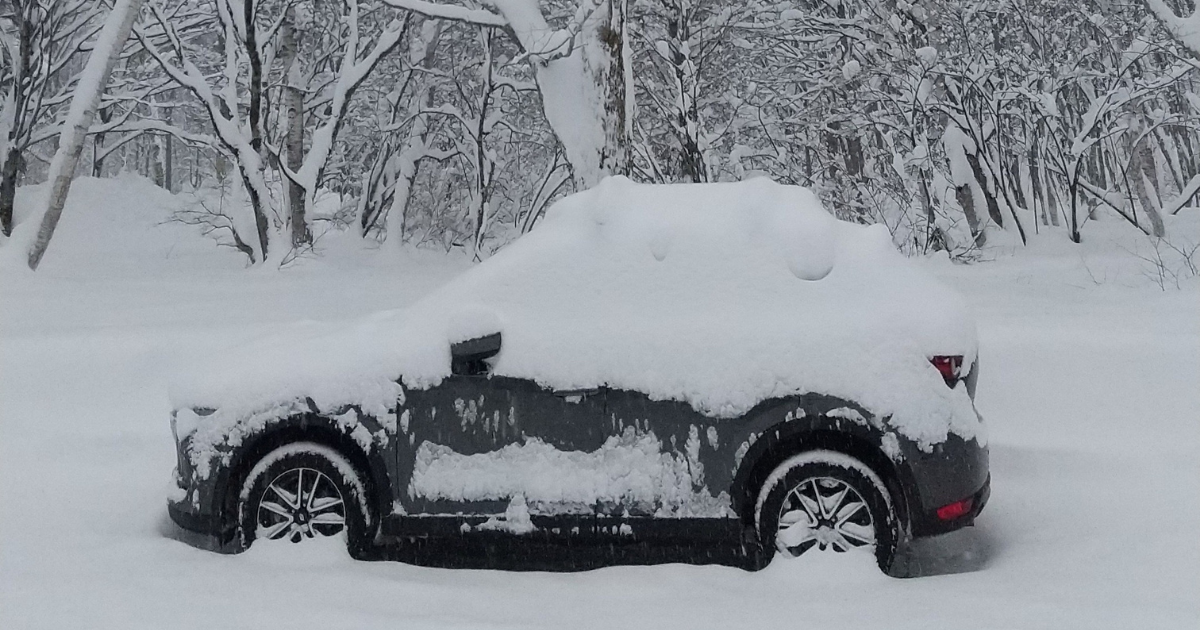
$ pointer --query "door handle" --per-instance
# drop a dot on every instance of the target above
(576, 396)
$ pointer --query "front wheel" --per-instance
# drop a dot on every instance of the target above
(304, 491)
(825, 501)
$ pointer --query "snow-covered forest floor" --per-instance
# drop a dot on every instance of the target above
(1089, 385)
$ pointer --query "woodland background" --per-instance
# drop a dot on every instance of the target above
(455, 124)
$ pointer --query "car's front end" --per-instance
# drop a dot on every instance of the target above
(195, 502)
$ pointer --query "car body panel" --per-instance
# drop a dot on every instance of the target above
(725, 459)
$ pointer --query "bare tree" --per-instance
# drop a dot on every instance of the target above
(388, 187)
(292, 121)
(947, 122)
(176, 38)
(1185, 28)
(582, 70)
(40, 41)
(85, 99)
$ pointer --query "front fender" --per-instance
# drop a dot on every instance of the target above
(362, 438)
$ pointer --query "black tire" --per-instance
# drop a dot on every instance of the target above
(807, 489)
(301, 491)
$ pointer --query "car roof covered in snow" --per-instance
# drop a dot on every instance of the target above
(721, 295)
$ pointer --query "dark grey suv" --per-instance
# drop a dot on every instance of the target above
(568, 419)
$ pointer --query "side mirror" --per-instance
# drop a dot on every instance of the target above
(469, 358)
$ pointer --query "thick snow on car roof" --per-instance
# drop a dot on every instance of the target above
(720, 295)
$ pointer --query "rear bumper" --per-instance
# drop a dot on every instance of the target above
(929, 524)
(952, 471)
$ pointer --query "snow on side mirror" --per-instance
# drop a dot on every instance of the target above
(469, 358)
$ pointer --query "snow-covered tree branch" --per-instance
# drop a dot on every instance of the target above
(582, 70)
(454, 123)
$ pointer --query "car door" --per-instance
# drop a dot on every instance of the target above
(559, 431)
(672, 455)
(448, 427)
(482, 445)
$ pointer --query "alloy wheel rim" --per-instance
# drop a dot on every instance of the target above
(299, 504)
(823, 513)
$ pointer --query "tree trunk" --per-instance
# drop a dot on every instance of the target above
(586, 84)
(967, 190)
(993, 207)
(966, 199)
(935, 238)
(155, 163)
(1142, 170)
(1073, 186)
(251, 180)
(293, 105)
(86, 98)
(169, 158)
(1055, 210)
(687, 115)
(22, 75)
(250, 42)
(397, 213)
(592, 117)
(105, 115)
(1027, 175)
(8, 189)
(617, 89)
(485, 169)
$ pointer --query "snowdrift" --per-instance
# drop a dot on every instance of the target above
(720, 295)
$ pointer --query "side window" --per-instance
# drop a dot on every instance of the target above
(470, 367)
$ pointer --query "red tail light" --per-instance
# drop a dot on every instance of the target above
(955, 510)
(950, 367)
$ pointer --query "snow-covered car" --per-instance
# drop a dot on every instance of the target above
(721, 363)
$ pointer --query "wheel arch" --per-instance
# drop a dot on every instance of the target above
(307, 427)
(784, 440)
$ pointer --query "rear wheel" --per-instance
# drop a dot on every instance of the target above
(304, 491)
(825, 501)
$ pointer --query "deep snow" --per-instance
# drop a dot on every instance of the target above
(1088, 384)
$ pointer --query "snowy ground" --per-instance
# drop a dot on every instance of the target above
(1089, 385)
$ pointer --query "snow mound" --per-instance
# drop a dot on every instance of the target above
(720, 295)
(111, 226)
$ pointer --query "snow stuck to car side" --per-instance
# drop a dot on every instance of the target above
(720, 295)
(631, 470)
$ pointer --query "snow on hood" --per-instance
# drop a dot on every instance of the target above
(721, 295)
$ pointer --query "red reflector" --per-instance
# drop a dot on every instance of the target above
(949, 366)
(955, 510)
